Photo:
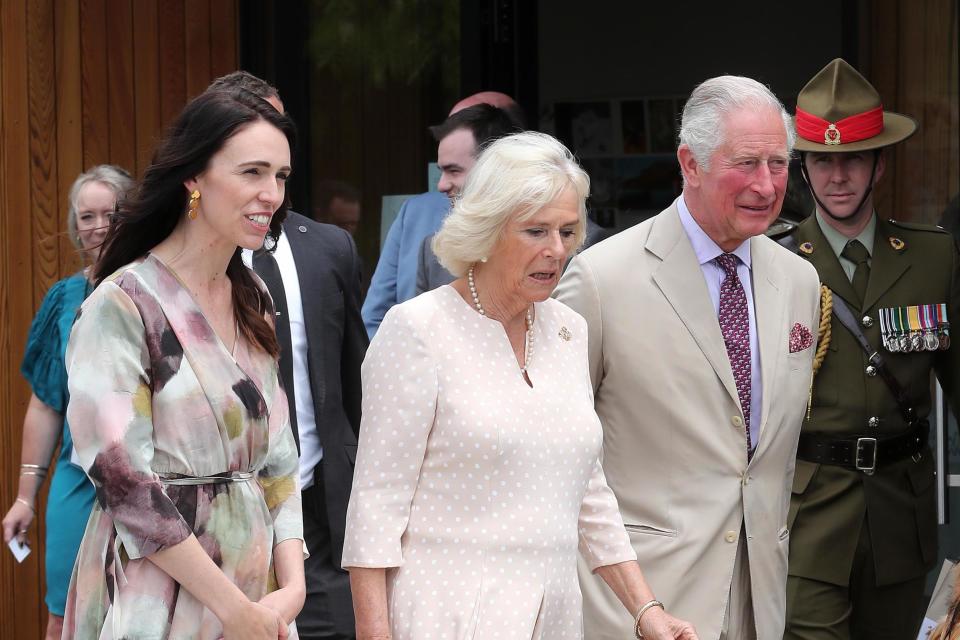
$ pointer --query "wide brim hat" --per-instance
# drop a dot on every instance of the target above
(840, 111)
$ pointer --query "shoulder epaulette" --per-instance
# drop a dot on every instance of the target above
(917, 226)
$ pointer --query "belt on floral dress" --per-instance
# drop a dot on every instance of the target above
(219, 478)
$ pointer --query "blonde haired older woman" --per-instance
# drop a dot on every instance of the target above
(92, 201)
(478, 473)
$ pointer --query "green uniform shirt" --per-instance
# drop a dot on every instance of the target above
(838, 241)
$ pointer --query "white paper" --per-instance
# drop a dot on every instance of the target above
(926, 628)
(19, 552)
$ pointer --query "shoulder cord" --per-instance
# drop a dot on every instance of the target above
(824, 333)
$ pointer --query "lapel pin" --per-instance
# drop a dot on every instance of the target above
(807, 248)
(897, 243)
(302, 229)
(565, 334)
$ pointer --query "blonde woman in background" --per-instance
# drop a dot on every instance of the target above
(92, 201)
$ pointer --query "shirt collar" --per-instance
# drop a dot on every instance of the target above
(703, 245)
(838, 241)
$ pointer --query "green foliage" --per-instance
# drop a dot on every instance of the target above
(387, 40)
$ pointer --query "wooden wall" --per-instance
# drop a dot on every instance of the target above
(82, 82)
(908, 51)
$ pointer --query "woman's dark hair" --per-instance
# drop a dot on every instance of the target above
(160, 200)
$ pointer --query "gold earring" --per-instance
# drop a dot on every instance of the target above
(194, 205)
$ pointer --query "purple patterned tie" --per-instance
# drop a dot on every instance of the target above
(735, 326)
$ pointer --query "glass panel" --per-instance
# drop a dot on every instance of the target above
(381, 73)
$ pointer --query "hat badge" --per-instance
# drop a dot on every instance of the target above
(831, 135)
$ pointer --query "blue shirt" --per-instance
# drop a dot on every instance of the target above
(706, 251)
(395, 278)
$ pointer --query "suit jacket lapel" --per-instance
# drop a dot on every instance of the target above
(680, 279)
(299, 238)
(826, 262)
(886, 265)
(769, 308)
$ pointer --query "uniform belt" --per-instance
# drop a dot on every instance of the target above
(219, 478)
(862, 453)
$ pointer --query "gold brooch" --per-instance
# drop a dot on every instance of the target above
(807, 247)
(565, 334)
(897, 243)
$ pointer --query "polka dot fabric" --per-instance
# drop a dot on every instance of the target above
(472, 488)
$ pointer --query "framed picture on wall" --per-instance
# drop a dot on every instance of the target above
(628, 148)
(586, 127)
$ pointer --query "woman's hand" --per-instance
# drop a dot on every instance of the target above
(254, 621)
(656, 624)
(287, 601)
(17, 522)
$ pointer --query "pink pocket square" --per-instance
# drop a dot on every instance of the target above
(800, 338)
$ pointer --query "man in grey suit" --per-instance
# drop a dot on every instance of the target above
(313, 275)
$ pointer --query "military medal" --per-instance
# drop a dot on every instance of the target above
(928, 320)
(903, 335)
(886, 331)
(943, 326)
(916, 331)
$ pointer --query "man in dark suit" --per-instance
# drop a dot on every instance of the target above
(314, 278)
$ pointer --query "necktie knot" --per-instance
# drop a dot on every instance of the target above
(727, 262)
(855, 252)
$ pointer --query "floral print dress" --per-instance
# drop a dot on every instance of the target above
(155, 396)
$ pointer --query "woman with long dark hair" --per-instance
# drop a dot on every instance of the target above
(175, 405)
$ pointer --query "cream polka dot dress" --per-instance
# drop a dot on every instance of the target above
(474, 489)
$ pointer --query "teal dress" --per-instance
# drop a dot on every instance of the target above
(71, 494)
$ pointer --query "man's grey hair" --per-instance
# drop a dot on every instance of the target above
(702, 123)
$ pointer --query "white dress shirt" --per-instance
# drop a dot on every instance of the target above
(311, 451)
(706, 251)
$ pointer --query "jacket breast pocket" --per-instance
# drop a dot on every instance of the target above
(801, 359)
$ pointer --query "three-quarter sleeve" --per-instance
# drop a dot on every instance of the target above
(603, 540)
(110, 415)
(279, 478)
(400, 389)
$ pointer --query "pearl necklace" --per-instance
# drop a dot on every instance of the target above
(528, 346)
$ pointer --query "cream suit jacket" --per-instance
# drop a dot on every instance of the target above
(674, 443)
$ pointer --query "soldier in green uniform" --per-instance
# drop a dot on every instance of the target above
(862, 520)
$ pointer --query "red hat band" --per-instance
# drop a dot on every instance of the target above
(859, 126)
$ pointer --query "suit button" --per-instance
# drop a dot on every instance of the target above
(866, 321)
(731, 536)
(737, 421)
(873, 421)
(871, 370)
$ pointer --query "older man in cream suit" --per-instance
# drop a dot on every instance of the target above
(701, 350)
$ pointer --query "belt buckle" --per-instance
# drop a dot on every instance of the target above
(870, 468)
